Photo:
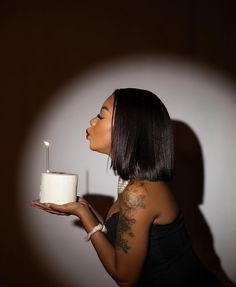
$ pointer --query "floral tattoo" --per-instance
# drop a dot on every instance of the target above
(133, 201)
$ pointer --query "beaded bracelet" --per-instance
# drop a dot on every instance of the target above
(99, 227)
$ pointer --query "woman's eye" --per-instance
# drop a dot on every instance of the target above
(99, 117)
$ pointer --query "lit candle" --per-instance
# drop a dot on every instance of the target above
(47, 155)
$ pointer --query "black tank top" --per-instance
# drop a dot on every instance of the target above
(170, 259)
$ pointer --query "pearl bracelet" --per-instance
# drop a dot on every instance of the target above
(99, 227)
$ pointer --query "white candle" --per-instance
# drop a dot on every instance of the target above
(46, 143)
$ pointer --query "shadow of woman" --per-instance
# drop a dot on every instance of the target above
(187, 185)
(100, 202)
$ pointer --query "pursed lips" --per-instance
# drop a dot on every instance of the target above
(87, 134)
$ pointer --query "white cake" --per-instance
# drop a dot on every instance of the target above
(58, 187)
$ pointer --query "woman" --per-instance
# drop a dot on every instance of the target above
(142, 241)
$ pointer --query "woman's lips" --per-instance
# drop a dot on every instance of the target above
(87, 134)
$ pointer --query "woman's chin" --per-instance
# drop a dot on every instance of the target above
(92, 148)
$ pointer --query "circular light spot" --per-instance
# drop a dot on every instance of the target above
(192, 93)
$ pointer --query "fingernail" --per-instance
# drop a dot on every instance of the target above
(47, 204)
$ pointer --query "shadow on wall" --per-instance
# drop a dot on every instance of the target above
(102, 204)
(188, 186)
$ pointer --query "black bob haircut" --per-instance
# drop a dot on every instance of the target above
(142, 144)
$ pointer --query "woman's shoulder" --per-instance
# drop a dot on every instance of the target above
(152, 192)
(157, 195)
(159, 188)
(135, 195)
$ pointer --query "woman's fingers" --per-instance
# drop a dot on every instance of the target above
(36, 202)
(57, 212)
(56, 207)
(39, 204)
(47, 207)
(83, 201)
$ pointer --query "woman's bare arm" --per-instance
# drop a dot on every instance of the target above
(123, 262)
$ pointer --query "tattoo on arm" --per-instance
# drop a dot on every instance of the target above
(124, 227)
(132, 201)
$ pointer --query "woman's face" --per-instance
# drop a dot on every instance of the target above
(99, 133)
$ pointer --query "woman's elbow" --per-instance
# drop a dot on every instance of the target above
(124, 283)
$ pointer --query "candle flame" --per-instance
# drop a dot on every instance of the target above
(46, 143)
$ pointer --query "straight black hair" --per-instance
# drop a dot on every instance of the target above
(142, 137)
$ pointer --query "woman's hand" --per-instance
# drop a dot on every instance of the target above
(71, 208)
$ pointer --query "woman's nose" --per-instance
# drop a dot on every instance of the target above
(92, 121)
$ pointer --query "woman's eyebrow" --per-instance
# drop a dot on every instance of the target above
(105, 108)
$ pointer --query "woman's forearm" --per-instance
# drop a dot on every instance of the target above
(96, 214)
(104, 249)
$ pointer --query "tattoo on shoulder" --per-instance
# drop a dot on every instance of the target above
(133, 201)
